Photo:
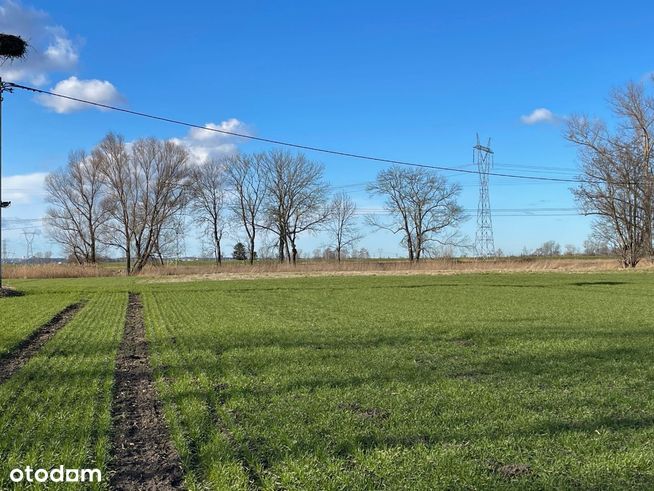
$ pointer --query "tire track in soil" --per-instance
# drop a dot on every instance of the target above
(30, 346)
(143, 456)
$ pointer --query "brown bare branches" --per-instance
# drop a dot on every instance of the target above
(248, 183)
(208, 201)
(422, 206)
(617, 172)
(76, 217)
(342, 223)
(146, 187)
(296, 199)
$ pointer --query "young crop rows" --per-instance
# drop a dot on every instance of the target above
(480, 381)
(55, 410)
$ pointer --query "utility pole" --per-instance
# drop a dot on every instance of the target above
(3, 204)
(484, 243)
(12, 48)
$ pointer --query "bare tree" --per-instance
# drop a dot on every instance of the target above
(341, 223)
(636, 112)
(571, 250)
(248, 183)
(146, 188)
(549, 248)
(596, 246)
(170, 242)
(114, 163)
(162, 177)
(296, 199)
(76, 215)
(617, 169)
(422, 206)
(208, 201)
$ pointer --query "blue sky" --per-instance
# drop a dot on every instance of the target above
(411, 81)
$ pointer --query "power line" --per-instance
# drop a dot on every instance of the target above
(525, 209)
(529, 169)
(511, 184)
(501, 210)
(516, 214)
(512, 215)
(525, 212)
(289, 144)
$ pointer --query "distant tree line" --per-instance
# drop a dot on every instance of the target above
(330, 253)
(550, 248)
(132, 198)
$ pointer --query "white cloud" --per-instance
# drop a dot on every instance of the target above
(205, 145)
(23, 189)
(100, 91)
(232, 125)
(50, 48)
(51, 51)
(540, 115)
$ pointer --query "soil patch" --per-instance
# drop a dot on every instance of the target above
(10, 292)
(463, 342)
(373, 413)
(143, 457)
(510, 471)
(469, 375)
(30, 346)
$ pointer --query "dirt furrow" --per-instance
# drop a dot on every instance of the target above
(143, 456)
(29, 347)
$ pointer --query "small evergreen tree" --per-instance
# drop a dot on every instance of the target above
(239, 253)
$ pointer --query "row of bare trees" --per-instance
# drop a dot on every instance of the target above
(130, 197)
(281, 193)
(120, 196)
(617, 172)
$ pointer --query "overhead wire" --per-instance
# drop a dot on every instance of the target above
(509, 212)
(292, 144)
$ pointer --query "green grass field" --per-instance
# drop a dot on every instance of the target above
(523, 381)
(56, 410)
(22, 315)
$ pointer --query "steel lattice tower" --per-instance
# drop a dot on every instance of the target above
(484, 243)
(29, 240)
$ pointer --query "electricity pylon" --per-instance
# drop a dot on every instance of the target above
(484, 243)
(29, 240)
